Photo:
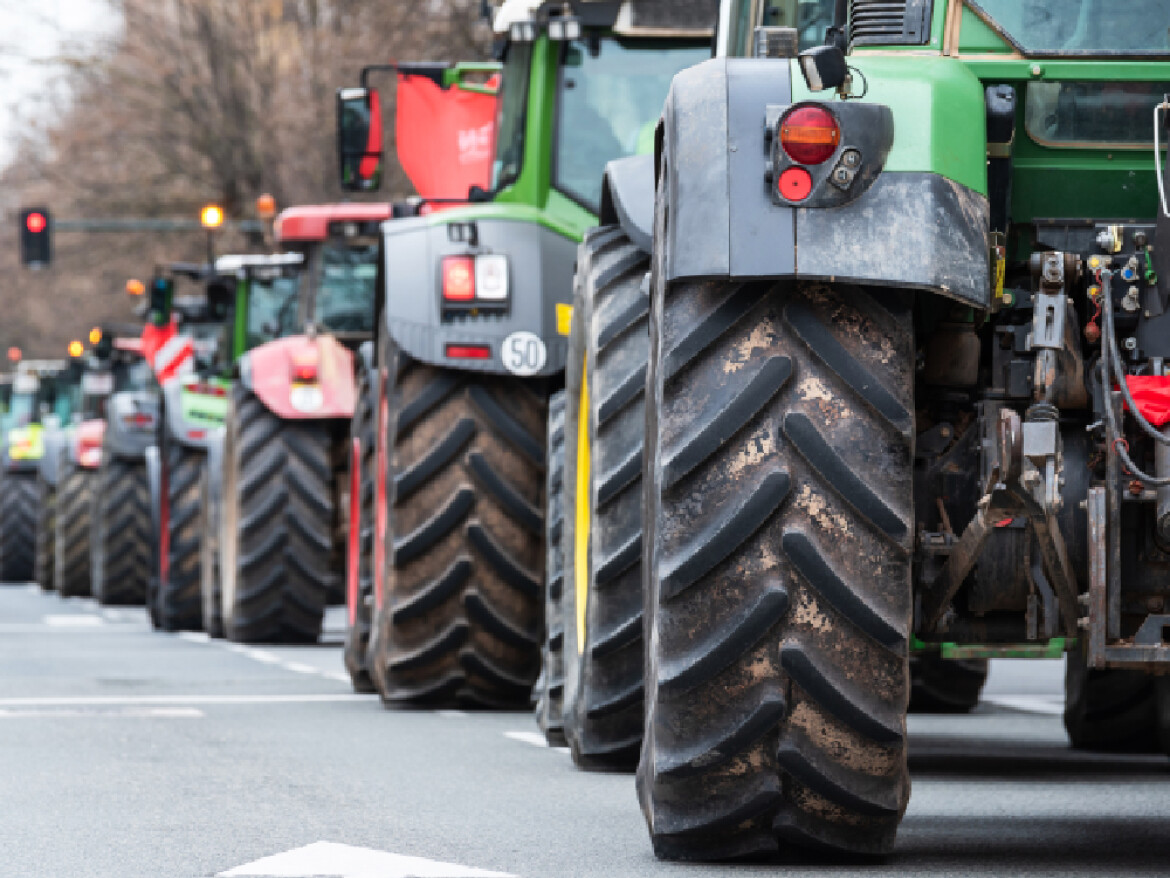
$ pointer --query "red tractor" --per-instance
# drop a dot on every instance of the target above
(285, 446)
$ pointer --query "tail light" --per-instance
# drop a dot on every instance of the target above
(207, 390)
(459, 279)
(139, 421)
(305, 366)
(476, 280)
(810, 135)
(469, 352)
(795, 184)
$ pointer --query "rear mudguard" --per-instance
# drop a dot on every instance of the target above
(540, 268)
(54, 442)
(627, 199)
(267, 371)
(192, 417)
(913, 228)
(124, 438)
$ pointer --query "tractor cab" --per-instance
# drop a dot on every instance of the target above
(35, 398)
(339, 243)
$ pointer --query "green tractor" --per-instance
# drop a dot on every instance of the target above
(35, 400)
(906, 396)
(475, 310)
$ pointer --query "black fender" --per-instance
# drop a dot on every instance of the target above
(627, 199)
(912, 230)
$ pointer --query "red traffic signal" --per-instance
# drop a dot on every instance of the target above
(36, 248)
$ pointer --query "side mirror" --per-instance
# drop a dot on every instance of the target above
(359, 139)
(824, 67)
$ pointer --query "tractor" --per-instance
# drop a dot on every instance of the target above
(275, 492)
(906, 396)
(471, 342)
(34, 401)
(114, 364)
(181, 341)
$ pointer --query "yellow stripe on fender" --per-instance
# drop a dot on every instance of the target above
(582, 512)
(564, 319)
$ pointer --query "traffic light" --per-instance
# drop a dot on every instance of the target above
(36, 243)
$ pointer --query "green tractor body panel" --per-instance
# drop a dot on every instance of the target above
(201, 409)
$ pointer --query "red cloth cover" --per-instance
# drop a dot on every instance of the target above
(1152, 395)
(446, 137)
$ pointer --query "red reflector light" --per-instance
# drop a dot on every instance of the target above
(795, 184)
(459, 279)
(304, 368)
(810, 135)
(139, 419)
(196, 434)
(468, 352)
(36, 223)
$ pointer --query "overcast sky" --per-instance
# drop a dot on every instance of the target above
(32, 34)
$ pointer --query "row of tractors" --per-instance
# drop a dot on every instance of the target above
(725, 431)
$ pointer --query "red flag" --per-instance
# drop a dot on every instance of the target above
(446, 137)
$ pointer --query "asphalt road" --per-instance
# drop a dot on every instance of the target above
(125, 753)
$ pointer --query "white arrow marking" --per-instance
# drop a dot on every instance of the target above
(326, 859)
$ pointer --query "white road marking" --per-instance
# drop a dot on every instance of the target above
(263, 656)
(1048, 705)
(73, 620)
(334, 675)
(103, 713)
(536, 739)
(195, 636)
(41, 628)
(346, 861)
(451, 714)
(298, 668)
(95, 700)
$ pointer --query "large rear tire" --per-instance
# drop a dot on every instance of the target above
(461, 619)
(277, 530)
(71, 544)
(551, 685)
(18, 526)
(120, 530)
(363, 427)
(779, 527)
(939, 685)
(604, 427)
(1109, 711)
(179, 601)
(46, 534)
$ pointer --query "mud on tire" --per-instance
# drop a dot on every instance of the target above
(120, 531)
(461, 620)
(179, 603)
(364, 428)
(551, 685)
(46, 534)
(779, 529)
(71, 545)
(606, 378)
(278, 522)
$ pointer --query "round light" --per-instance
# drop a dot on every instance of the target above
(95, 335)
(795, 184)
(76, 348)
(810, 135)
(266, 206)
(211, 216)
(36, 222)
(135, 287)
(14, 354)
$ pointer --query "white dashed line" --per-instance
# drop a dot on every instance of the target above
(451, 714)
(1047, 705)
(195, 636)
(298, 668)
(73, 620)
(130, 700)
(100, 713)
(535, 739)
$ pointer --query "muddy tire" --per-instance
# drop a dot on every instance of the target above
(210, 593)
(18, 526)
(363, 427)
(604, 428)
(278, 521)
(46, 534)
(551, 685)
(1110, 711)
(939, 685)
(120, 532)
(461, 619)
(179, 600)
(779, 526)
(71, 545)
